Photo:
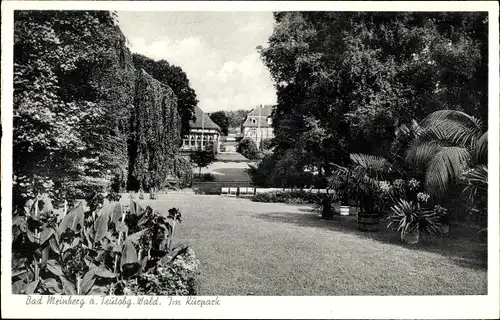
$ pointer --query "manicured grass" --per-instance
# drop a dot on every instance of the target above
(249, 248)
(227, 171)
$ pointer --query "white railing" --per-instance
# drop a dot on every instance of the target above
(251, 191)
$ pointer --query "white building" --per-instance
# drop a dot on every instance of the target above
(203, 131)
(257, 125)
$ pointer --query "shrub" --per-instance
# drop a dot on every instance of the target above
(208, 177)
(248, 148)
(261, 173)
(292, 197)
(183, 172)
(265, 144)
(112, 249)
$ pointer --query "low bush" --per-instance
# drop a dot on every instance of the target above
(292, 197)
(208, 177)
(248, 148)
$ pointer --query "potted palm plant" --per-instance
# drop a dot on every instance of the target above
(410, 220)
(368, 187)
(339, 184)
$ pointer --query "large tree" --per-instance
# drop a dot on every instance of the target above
(175, 78)
(221, 119)
(345, 81)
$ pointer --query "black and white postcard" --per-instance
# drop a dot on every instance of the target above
(250, 159)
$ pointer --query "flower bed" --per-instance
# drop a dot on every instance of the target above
(109, 249)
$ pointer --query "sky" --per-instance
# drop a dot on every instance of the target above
(217, 50)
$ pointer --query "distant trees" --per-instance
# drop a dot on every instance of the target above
(236, 117)
(175, 78)
(221, 119)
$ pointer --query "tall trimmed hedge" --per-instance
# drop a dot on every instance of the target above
(73, 92)
(84, 118)
(155, 134)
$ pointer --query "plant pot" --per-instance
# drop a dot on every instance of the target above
(368, 222)
(411, 237)
(344, 210)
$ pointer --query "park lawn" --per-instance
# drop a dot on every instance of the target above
(249, 248)
(226, 171)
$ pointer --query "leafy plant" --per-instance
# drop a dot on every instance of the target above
(407, 217)
(364, 182)
(448, 144)
(93, 252)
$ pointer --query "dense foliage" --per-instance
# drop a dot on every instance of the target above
(220, 118)
(376, 101)
(248, 148)
(236, 117)
(110, 249)
(84, 119)
(270, 172)
(73, 92)
(346, 81)
(292, 197)
(177, 80)
(155, 134)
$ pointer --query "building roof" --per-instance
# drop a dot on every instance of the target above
(202, 116)
(265, 112)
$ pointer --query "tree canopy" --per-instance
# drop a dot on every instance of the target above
(175, 78)
(220, 118)
(203, 157)
(236, 117)
(346, 80)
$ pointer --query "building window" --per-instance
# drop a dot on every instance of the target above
(269, 120)
(254, 121)
(253, 132)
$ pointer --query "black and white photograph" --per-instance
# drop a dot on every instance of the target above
(172, 158)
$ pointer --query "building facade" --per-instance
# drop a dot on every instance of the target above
(203, 131)
(257, 125)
